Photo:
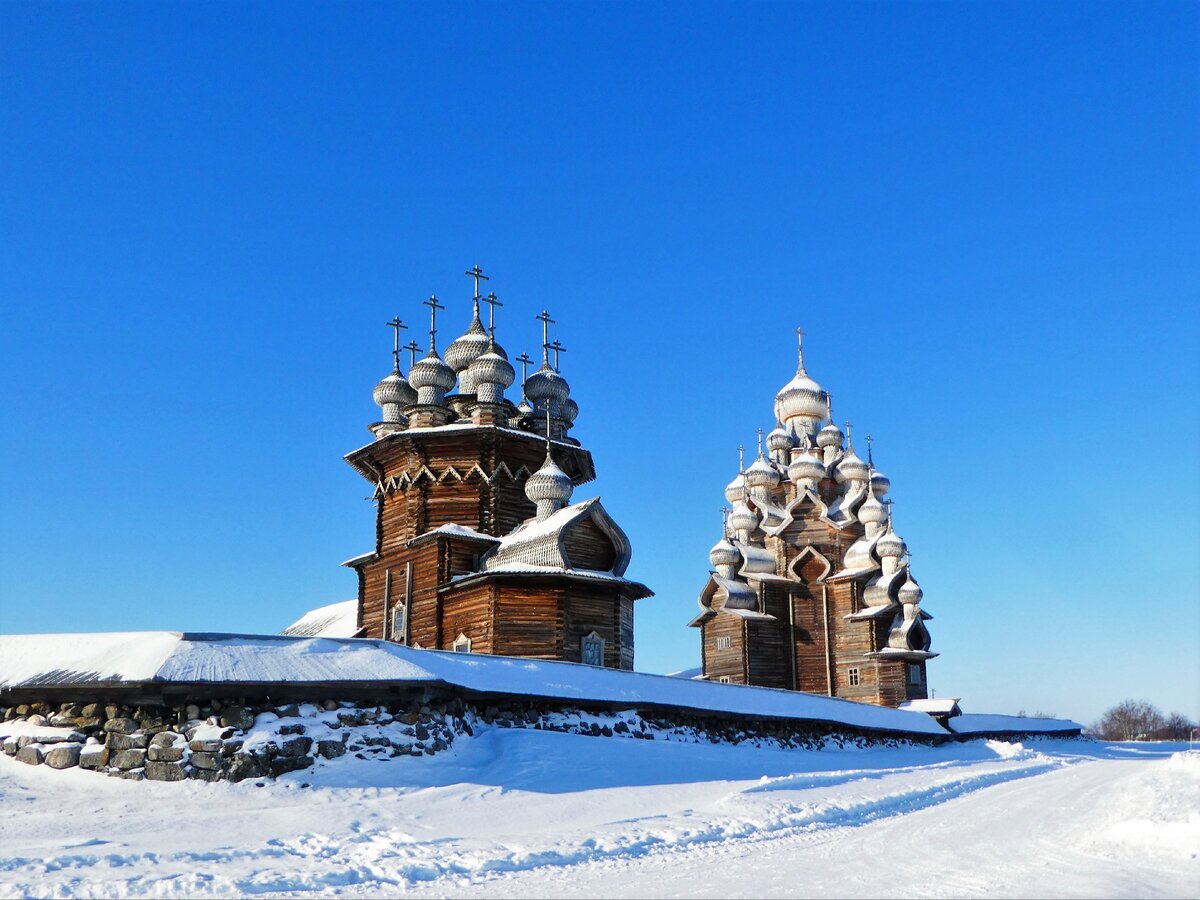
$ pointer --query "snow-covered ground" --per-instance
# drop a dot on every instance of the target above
(512, 812)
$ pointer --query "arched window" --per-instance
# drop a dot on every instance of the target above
(462, 643)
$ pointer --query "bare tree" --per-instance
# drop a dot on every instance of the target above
(1129, 720)
(1176, 727)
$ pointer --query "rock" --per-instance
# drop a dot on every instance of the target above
(91, 711)
(165, 771)
(135, 775)
(128, 759)
(165, 754)
(10, 746)
(205, 774)
(243, 766)
(236, 717)
(287, 712)
(422, 733)
(165, 739)
(292, 729)
(207, 745)
(206, 760)
(93, 756)
(118, 741)
(297, 746)
(30, 754)
(329, 705)
(191, 711)
(282, 764)
(120, 725)
(64, 756)
(331, 749)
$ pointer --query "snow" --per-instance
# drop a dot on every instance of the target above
(334, 620)
(199, 658)
(453, 529)
(934, 705)
(976, 723)
(526, 813)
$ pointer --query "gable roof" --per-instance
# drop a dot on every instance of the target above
(541, 542)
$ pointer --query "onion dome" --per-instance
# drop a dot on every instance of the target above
(394, 391)
(545, 386)
(432, 378)
(490, 373)
(464, 351)
(872, 512)
(890, 544)
(850, 467)
(830, 436)
(735, 489)
(743, 518)
(910, 591)
(880, 484)
(762, 474)
(569, 411)
(724, 553)
(806, 466)
(801, 397)
(779, 440)
(549, 487)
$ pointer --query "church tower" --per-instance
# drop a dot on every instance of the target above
(477, 547)
(811, 588)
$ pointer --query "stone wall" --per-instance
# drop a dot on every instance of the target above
(235, 740)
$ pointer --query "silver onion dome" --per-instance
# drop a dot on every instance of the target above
(735, 489)
(806, 466)
(569, 411)
(779, 440)
(890, 544)
(910, 591)
(830, 436)
(465, 350)
(724, 553)
(762, 474)
(547, 386)
(432, 378)
(872, 512)
(743, 518)
(490, 374)
(801, 398)
(549, 487)
(851, 468)
(394, 390)
(880, 484)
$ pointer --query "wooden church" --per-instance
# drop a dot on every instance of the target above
(478, 547)
(811, 587)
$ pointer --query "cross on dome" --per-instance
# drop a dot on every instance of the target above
(396, 324)
(557, 348)
(492, 302)
(413, 349)
(434, 306)
(477, 274)
(544, 318)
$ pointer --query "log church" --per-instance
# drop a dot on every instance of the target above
(478, 545)
(811, 589)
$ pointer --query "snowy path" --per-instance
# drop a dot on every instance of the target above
(526, 813)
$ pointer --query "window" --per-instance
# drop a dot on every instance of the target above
(914, 673)
(462, 643)
(724, 679)
(852, 677)
(592, 650)
(724, 643)
(398, 625)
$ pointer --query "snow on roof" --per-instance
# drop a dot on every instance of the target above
(334, 620)
(453, 529)
(520, 568)
(938, 706)
(977, 723)
(78, 659)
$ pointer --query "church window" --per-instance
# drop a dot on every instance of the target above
(724, 643)
(852, 677)
(398, 624)
(914, 673)
(462, 643)
(593, 650)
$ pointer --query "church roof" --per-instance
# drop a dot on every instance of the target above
(338, 620)
(541, 542)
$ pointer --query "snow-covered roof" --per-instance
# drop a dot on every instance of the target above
(339, 620)
(936, 706)
(79, 660)
(453, 529)
(541, 542)
(982, 723)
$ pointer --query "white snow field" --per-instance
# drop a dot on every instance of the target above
(526, 813)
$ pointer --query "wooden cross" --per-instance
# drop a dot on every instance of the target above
(434, 306)
(413, 349)
(524, 360)
(870, 458)
(725, 521)
(741, 458)
(848, 432)
(477, 274)
(544, 318)
(800, 332)
(557, 348)
(491, 301)
(888, 503)
(397, 324)
(760, 442)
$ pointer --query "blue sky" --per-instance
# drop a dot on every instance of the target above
(984, 216)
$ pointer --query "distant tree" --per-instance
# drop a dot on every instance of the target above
(1129, 720)
(1176, 727)
(1035, 715)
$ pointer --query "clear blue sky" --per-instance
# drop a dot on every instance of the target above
(984, 215)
